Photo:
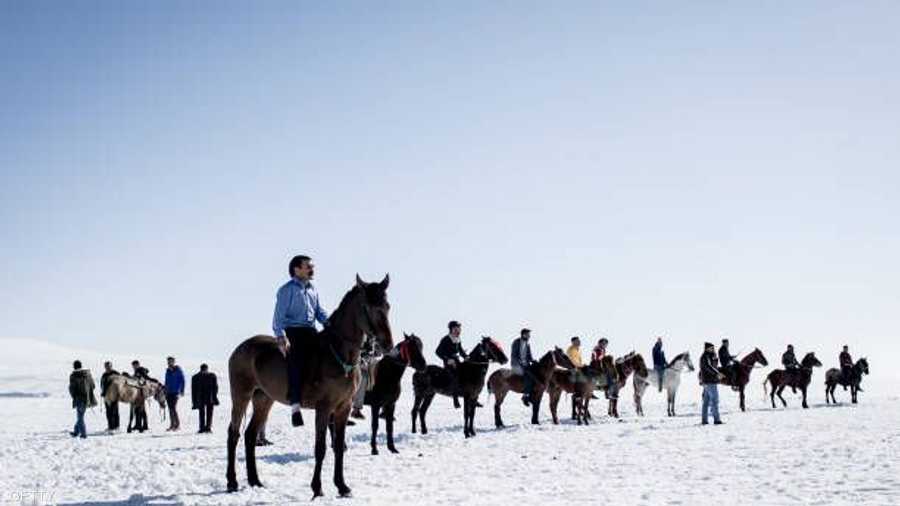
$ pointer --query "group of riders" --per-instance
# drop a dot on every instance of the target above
(298, 309)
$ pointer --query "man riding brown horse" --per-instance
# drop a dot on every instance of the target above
(297, 309)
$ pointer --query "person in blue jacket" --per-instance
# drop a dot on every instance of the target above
(174, 390)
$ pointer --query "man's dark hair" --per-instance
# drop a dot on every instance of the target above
(204, 367)
(107, 363)
(297, 261)
(453, 325)
(135, 362)
(170, 358)
(524, 331)
(76, 364)
(576, 338)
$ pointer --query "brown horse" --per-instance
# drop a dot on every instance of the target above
(632, 362)
(800, 378)
(467, 381)
(386, 388)
(744, 368)
(578, 382)
(504, 380)
(135, 392)
(257, 371)
(834, 377)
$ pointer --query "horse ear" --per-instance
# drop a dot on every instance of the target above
(359, 282)
(386, 281)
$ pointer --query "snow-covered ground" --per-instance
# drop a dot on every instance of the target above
(847, 454)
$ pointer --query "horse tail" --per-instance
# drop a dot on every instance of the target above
(765, 389)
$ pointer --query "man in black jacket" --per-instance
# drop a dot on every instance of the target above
(112, 408)
(451, 352)
(791, 366)
(728, 364)
(204, 395)
(709, 378)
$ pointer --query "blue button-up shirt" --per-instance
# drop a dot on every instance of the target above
(297, 305)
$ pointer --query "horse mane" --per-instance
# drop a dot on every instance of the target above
(626, 357)
(345, 303)
(677, 358)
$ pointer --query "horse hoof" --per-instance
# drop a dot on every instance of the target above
(232, 487)
(317, 493)
(256, 483)
(393, 450)
(374, 451)
(345, 492)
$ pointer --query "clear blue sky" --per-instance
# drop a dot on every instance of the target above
(694, 170)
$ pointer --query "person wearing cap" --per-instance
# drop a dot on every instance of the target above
(520, 362)
(659, 361)
(174, 390)
(789, 360)
(709, 379)
(727, 363)
(451, 352)
(204, 396)
(297, 309)
(112, 408)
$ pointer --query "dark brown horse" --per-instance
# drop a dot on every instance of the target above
(467, 381)
(578, 382)
(800, 378)
(386, 388)
(257, 372)
(504, 380)
(834, 377)
(744, 368)
(632, 362)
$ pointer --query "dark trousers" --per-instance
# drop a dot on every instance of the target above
(206, 416)
(172, 402)
(302, 341)
(112, 415)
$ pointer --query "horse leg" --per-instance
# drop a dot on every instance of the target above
(536, 408)
(239, 401)
(803, 389)
(466, 417)
(261, 406)
(341, 414)
(375, 409)
(853, 390)
(130, 418)
(827, 400)
(322, 416)
(499, 396)
(553, 400)
(781, 389)
(670, 403)
(743, 406)
(389, 423)
(423, 409)
(417, 402)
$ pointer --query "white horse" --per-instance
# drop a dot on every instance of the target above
(671, 380)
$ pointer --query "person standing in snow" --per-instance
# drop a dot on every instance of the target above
(709, 379)
(451, 352)
(81, 389)
(297, 309)
(112, 408)
(204, 396)
(659, 361)
(174, 390)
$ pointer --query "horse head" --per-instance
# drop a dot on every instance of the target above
(863, 365)
(410, 351)
(562, 360)
(688, 362)
(637, 362)
(492, 350)
(372, 312)
(759, 357)
(158, 392)
(809, 361)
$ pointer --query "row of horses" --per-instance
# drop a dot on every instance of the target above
(258, 371)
